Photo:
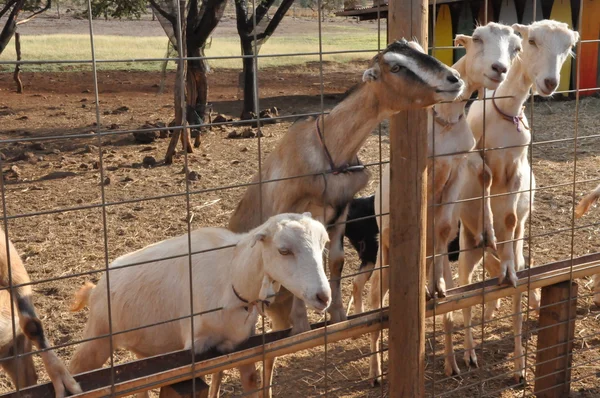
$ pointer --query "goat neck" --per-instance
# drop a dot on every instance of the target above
(452, 111)
(247, 272)
(348, 125)
(516, 86)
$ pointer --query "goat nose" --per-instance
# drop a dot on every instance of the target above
(499, 68)
(323, 298)
(452, 79)
(550, 83)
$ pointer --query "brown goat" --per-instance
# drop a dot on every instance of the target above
(400, 78)
(28, 330)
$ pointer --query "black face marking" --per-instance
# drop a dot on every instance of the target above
(423, 60)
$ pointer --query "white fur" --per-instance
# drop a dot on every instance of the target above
(511, 171)
(392, 58)
(450, 173)
(160, 290)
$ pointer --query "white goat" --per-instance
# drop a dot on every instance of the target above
(582, 207)
(489, 53)
(547, 44)
(286, 250)
(28, 328)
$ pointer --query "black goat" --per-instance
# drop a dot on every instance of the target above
(362, 232)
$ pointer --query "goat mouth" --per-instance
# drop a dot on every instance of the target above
(458, 90)
(544, 92)
(494, 79)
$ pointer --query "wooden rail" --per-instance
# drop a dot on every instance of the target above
(177, 366)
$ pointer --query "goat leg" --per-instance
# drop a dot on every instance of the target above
(32, 328)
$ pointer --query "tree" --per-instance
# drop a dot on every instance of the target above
(264, 30)
(198, 24)
(16, 7)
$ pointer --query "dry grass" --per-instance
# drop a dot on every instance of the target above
(77, 47)
(69, 242)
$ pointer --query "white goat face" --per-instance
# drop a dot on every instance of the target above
(546, 46)
(490, 52)
(293, 246)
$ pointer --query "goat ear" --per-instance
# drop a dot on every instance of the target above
(258, 237)
(523, 30)
(416, 46)
(462, 40)
(307, 214)
(372, 73)
(575, 36)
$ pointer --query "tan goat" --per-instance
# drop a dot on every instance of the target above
(28, 329)
(402, 77)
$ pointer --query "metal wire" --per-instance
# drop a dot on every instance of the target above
(437, 386)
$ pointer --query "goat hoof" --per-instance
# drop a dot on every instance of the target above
(375, 382)
(451, 369)
(520, 379)
(471, 359)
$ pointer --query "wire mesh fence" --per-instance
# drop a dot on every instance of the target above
(85, 188)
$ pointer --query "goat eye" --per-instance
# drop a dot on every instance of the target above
(395, 69)
(285, 252)
(532, 42)
(476, 39)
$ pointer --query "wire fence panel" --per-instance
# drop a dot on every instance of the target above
(126, 137)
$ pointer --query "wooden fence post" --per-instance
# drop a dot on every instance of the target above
(555, 340)
(408, 205)
(185, 389)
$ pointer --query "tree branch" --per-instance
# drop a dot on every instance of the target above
(277, 18)
(165, 14)
(9, 4)
(35, 14)
(11, 25)
(261, 11)
(213, 12)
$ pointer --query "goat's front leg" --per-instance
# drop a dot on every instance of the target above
(519, 372)
(450, 365)
(358, 286)
(487, 238)
(467, 259)
(249, 377)
(299, 317)
(379, 289)
(336, 265)
(596, 289)
(505, 223)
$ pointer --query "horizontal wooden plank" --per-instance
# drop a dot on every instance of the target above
(174, 367)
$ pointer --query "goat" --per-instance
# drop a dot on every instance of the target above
(362, 231)
(489, 53)
(245, 271)
(324, 151)
(582, 207)
(28, 330)
(547, 44)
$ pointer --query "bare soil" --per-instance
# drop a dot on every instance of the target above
(61, 229)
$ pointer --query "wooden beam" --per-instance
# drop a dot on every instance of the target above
(408, 222)
(186, 389)
(555, 340)
(176, 366)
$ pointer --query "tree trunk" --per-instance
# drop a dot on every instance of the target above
(17, 74)
(197, 87)
(11, 25)
(249, 81)
(180, 122)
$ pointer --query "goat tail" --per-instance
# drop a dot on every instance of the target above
(82, 297)
(588, 200)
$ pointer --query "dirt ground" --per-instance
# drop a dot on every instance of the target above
(57, 224)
